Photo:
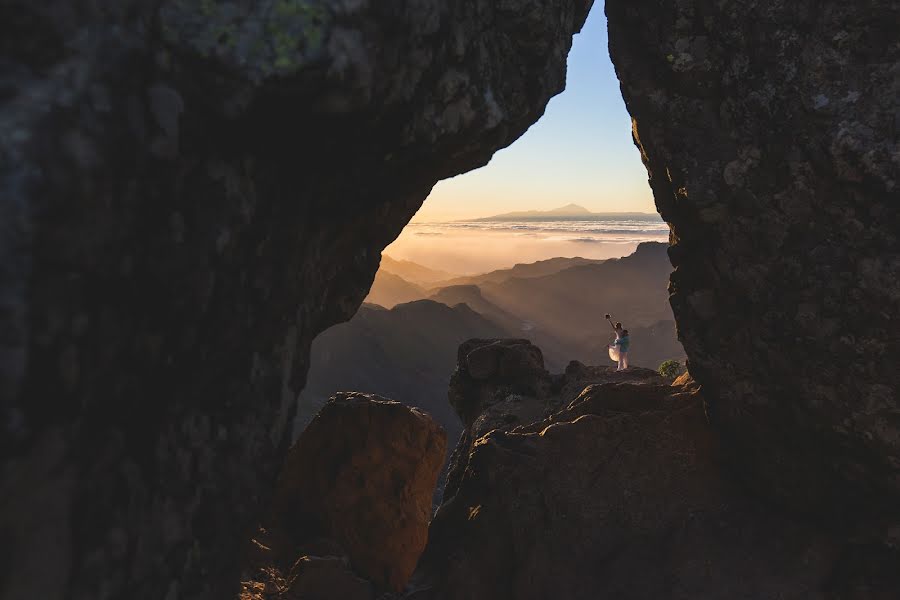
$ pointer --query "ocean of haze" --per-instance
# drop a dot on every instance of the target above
(466, 247)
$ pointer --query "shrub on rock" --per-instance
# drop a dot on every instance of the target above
(671, 369)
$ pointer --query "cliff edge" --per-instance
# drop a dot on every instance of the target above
(595, 484)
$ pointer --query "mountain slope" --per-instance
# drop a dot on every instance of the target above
(407, 353)
(556, 353)
(471, 296)
(414, 272)
(521, 270)
(389, 289)
(572, 302)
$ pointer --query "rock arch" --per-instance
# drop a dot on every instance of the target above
(192, 190)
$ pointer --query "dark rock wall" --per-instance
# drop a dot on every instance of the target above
(191, 191)
(770, 132)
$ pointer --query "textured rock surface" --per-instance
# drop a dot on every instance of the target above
(191, 190)
(770, 130)
(363, 473)
(310, 578)
(617, 492)
(325, 578)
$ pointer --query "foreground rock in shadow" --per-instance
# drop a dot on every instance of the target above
(769, 130)
(597, 484)
(362, 474)
(190, 191)
(310, 578)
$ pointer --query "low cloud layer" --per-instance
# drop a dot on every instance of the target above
(476, 247)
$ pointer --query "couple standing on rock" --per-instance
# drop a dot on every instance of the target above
(618, 350)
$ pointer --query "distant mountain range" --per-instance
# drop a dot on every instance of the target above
(571, 302)
(522, 271)
(409, 351)
(558, 303)
(399, 281)
(567, 212)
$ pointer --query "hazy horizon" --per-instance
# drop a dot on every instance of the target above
(468, 247)
(581, 150)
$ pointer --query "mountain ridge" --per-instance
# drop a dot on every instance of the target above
(523, 270)
(414, 272)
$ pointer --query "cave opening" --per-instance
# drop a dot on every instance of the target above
(553, 241)
(195, 189)
(556, 231)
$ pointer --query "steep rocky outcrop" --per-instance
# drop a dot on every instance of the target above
(597, 484)
(363, 474)
(770, 131)
(191, 191)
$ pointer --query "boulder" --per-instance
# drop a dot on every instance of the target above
(363, 473)
(508, 359)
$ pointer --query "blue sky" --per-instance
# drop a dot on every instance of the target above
(580, 151)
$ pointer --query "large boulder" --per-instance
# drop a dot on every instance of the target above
(769, 130)
(508, 359)
(190, 191)
(363, 473)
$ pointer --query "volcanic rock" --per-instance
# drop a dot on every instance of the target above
(508, 359)
(769, 130)
(363, 473)
(619, 492)
(190, 191)
(328, 578)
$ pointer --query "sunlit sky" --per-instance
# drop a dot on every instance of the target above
(579, 152)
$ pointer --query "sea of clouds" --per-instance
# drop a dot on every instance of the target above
(607, 230)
